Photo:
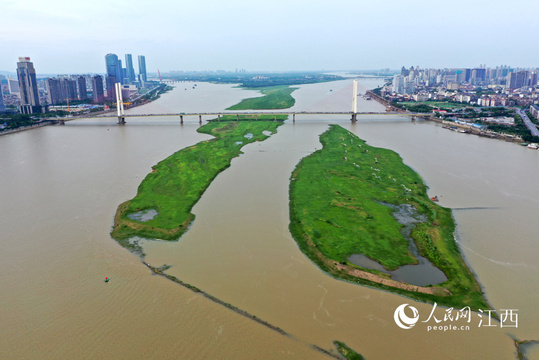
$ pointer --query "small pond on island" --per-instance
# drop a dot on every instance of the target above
(421, 274)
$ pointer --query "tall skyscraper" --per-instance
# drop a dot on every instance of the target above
(114, 74)
(28, 86)
(113, 66)
(142, 68)
(129, 70)
(97, 89)
(81, 82)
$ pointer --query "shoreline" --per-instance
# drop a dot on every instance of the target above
(60, 121)
(24, 128)
(469, 128)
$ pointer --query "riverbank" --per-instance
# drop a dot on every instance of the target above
(56, 121)
(24, 128)
(351, 182)
(176, 184)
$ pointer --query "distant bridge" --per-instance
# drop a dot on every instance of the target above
(353, 114)
(256, 114)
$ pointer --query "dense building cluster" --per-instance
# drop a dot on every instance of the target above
(31, 95)
(500, 86)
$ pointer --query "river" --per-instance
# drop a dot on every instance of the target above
(60, 186)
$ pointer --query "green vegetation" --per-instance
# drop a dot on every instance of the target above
(337, 210)
(347, 352)
(14, 121)
(428, 106)
(275, 97)
(254, 80)
(415, 107)
(178, 182)
(519, 129)
(448, 105)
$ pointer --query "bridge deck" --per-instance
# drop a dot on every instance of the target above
(237, 113)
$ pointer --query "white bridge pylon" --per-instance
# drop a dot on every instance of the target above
(119, 103)
(354, 101)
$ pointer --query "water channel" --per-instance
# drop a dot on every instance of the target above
(60, 186)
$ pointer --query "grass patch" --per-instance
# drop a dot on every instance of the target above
(275, 97)
(347, 352)
(336, 211)
(177, 183)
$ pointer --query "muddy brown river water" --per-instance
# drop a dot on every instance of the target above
(60, 186)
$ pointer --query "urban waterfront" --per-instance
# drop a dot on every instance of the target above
(61, 185)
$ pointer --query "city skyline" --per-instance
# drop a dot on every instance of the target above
(64, 37)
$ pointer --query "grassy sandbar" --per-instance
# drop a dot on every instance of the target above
(275, 97)
(337, 210)
(177, 183)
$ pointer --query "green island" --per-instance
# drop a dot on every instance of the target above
(275, 97)
(342, 199)
(175, 184)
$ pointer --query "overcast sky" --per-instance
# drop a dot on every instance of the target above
(70, 36)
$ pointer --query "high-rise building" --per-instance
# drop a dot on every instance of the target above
(478, 76)
(404, 71)
(28, 86)
(61, 90)
(81, 82)
(110, 82)
(142, 68)
(114, 74)
(68, 87)
(113, 66)
(54, 93)
(129, 70)
(398, 84)
(518, 79)
(97, 89)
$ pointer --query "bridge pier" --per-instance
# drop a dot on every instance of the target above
(181, 119)
(293, 118)
(200, 119)
(121, 120)
(354, 117)
(218, 117)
